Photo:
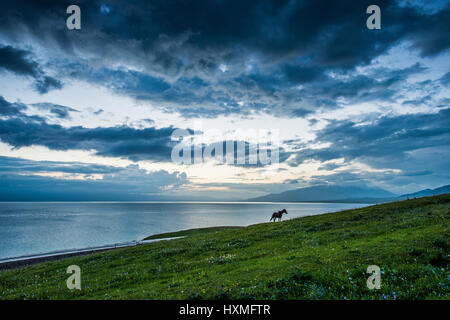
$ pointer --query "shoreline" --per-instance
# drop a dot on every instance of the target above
(41, 257)
(31, 259)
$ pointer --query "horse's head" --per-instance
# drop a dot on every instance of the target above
(285, 211)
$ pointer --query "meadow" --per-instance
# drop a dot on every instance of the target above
(315, 257)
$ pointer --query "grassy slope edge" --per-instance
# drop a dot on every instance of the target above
(189, 232)
(315, 257)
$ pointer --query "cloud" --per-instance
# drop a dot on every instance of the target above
(9, 109)
(120, 141)
(45, 84)
(20, 130)
(392, 148)
(386, 136)
(11, 165)
(149, 143)
(61, 112)
(17, 61)
(289, 59)
(445, 79)
(170, 53)
(25, 180)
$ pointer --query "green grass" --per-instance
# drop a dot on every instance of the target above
(316, 257)
(189, 232)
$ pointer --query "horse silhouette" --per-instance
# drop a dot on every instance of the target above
(278, 215)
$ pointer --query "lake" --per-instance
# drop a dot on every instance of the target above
(28, 228)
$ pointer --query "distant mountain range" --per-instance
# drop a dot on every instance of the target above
(426, 192)
(335, 193)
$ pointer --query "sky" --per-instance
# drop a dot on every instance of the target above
(91, 114)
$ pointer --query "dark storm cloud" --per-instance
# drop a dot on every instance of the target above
(61, 112)
(269, 48)
(11, 165)
(387, 142)
(45, 84)
(417, 102)
(17, 61)
(20, 130)
(299, 74)
(16, 109)
(407, 179)
(9, 109)
(445, 79)
(210, 58)
(122, 141)
(379, 83)
(433, 39)
(20, 180)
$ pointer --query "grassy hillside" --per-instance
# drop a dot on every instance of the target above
(317, 257)
(190, 232)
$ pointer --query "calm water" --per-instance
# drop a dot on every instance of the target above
(27, 228)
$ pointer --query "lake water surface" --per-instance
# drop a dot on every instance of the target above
(28, 228)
